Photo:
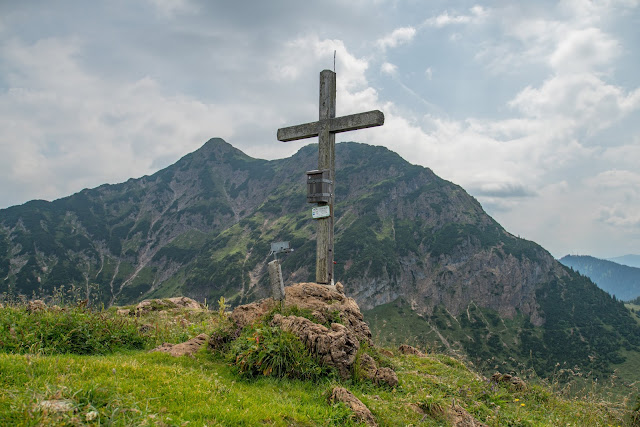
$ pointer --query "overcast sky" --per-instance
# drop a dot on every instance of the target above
(532, 107)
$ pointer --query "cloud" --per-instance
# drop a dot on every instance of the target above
(580, 100)
(388, 68)
(429, 73)
(619, 216)
(508, 190)
(445, 19)
(584, 50)
(63, 129)
(397, 37)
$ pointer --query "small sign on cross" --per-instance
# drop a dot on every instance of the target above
(325, 129)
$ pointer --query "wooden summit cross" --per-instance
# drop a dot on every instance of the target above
(325, 129)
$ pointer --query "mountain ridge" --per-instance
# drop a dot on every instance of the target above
(620, 280)
(202, 228)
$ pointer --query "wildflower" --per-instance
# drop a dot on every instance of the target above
(516, 400)
(522, 404)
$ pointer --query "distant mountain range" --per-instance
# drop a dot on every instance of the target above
(630, 260)
(420, 256)
(619, 280)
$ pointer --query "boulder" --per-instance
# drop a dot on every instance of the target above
(244, 315)
(165, 304)
(407, 349)
(360, 410)
(326, 302)
(512, 381)
(334, 339)
(187, 348)
(459, 417)
(336, 347)
(372, 372)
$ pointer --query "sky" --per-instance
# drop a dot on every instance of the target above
(532, 107)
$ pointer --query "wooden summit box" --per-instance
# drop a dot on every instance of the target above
(319, 186)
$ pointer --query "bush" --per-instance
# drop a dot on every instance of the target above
(76, 330)
(269, 351)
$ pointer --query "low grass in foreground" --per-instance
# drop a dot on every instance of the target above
(134, 387)
(140, 388)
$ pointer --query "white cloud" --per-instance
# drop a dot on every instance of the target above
(445, 19)
(397, 37)
(62, 129)
(581, 100)
(388, 68)
(584, 50)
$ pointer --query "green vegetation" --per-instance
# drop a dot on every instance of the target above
(262, 350)
(203, 226)
(76, 330)
(588, 353)
(135, 387)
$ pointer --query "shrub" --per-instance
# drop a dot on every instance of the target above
(221, 335)
(269, 351)
(76, 330)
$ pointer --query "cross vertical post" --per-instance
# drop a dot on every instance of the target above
(325, 129)
(326, 160)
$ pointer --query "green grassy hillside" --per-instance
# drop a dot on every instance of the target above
(129, 386)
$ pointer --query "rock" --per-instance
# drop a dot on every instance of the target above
(334, 339)
(407, 349)
(386, 376)
(325, 302)
(385, 352)
(459, 417)
(361, 412)
(123, 312)
(168, 304)
(510, 380)
(377, 375)
(187, 348)
(35, 306)
(247, 314)
(336, 347)
(56, 405)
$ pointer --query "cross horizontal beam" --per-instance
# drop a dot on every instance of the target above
(336, 125)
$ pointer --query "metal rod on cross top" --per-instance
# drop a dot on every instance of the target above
(325, 129)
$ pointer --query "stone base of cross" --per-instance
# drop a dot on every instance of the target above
(325, 129)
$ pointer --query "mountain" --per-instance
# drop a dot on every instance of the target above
(619, 280)
(630, 260)
(408, 245)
